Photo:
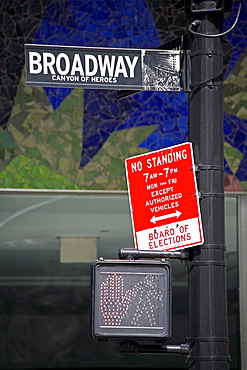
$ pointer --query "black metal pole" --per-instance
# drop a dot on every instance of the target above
(208, 327)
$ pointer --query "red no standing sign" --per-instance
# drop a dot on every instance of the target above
(163, 199)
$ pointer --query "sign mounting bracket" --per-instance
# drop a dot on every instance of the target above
(124, 253)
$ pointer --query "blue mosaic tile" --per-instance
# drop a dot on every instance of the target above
(56, 96)
(130, 24)
(235, 131)
(178, 131)
(238, 36)
(96, 23)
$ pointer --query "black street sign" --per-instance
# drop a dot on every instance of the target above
(103, 68)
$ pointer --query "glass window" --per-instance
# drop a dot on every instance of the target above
(46, 242)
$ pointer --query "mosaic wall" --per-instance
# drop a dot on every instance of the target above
(54, 138)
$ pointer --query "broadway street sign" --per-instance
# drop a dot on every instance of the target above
(164, 199)
(103, 68)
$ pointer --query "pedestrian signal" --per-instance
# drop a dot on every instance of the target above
(131, 299)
